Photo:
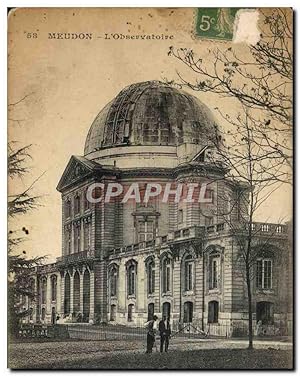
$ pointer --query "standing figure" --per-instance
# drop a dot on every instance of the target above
(152, 329)
(165, 333)
(224, 22)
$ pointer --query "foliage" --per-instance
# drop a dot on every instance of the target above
(20, 267)
(260, 78)
(258, 156)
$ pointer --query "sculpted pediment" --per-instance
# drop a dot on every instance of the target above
(77, 169)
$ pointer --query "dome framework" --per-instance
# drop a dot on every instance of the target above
(150, 113)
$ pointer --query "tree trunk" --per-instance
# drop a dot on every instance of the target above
(250, 328)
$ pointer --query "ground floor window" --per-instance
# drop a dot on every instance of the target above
(130, 312)
(150, 311)
(188, 312)
(43, 313)
(265, 312)
(166, 309)
(213, 312)
(113, 312)
(53, 316)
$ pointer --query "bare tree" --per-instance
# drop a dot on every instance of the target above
(253, 177)
(260, 79)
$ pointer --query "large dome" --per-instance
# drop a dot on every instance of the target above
(150, 113)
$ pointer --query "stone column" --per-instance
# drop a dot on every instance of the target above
(58, 294)
(121, 287)
(62, 293)
(140, 285)
(71, 293)
(48, 300)
(81, 290)
(81, 248)
(34, 301)
(92, 295)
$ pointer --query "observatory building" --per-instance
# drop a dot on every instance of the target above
(121, 262)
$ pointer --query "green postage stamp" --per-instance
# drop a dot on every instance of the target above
(215, 23)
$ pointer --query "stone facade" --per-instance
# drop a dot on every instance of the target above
(123, 262)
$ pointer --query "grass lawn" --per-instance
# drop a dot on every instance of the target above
(130, 355)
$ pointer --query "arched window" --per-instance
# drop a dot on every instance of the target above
(150, 276)
(77, 204)
(130, 312)
(86, 295)
(44, 290)
(53, 288)
(43, 313)
(150, 311)
(265, 312)
(188, 312)
(166, 309)
(188, 273)
(113, 280)
(166, 275)
(213, 311)
(131, 277)
(68, 208)
(67, 294)
(113, 312)
(76, 292)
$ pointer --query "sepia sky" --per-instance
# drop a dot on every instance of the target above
(67, 82)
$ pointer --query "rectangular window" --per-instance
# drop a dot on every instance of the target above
(131, 280)
(264, 274)
(214, 273)
(77, 204)
(188, 276)
(53, 288)
(86, 201)
(151, 279)
(180, 216)
(145, 231)
(168, 279)
(77, 238)
(68, 241)
(267, 274)
(259, 273)
(87, 235)
(68, 209)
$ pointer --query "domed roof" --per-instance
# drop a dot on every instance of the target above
(150, 113)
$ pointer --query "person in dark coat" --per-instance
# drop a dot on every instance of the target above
(164, 328)
(151, 326)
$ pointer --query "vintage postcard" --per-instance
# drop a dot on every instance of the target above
(150, 188)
